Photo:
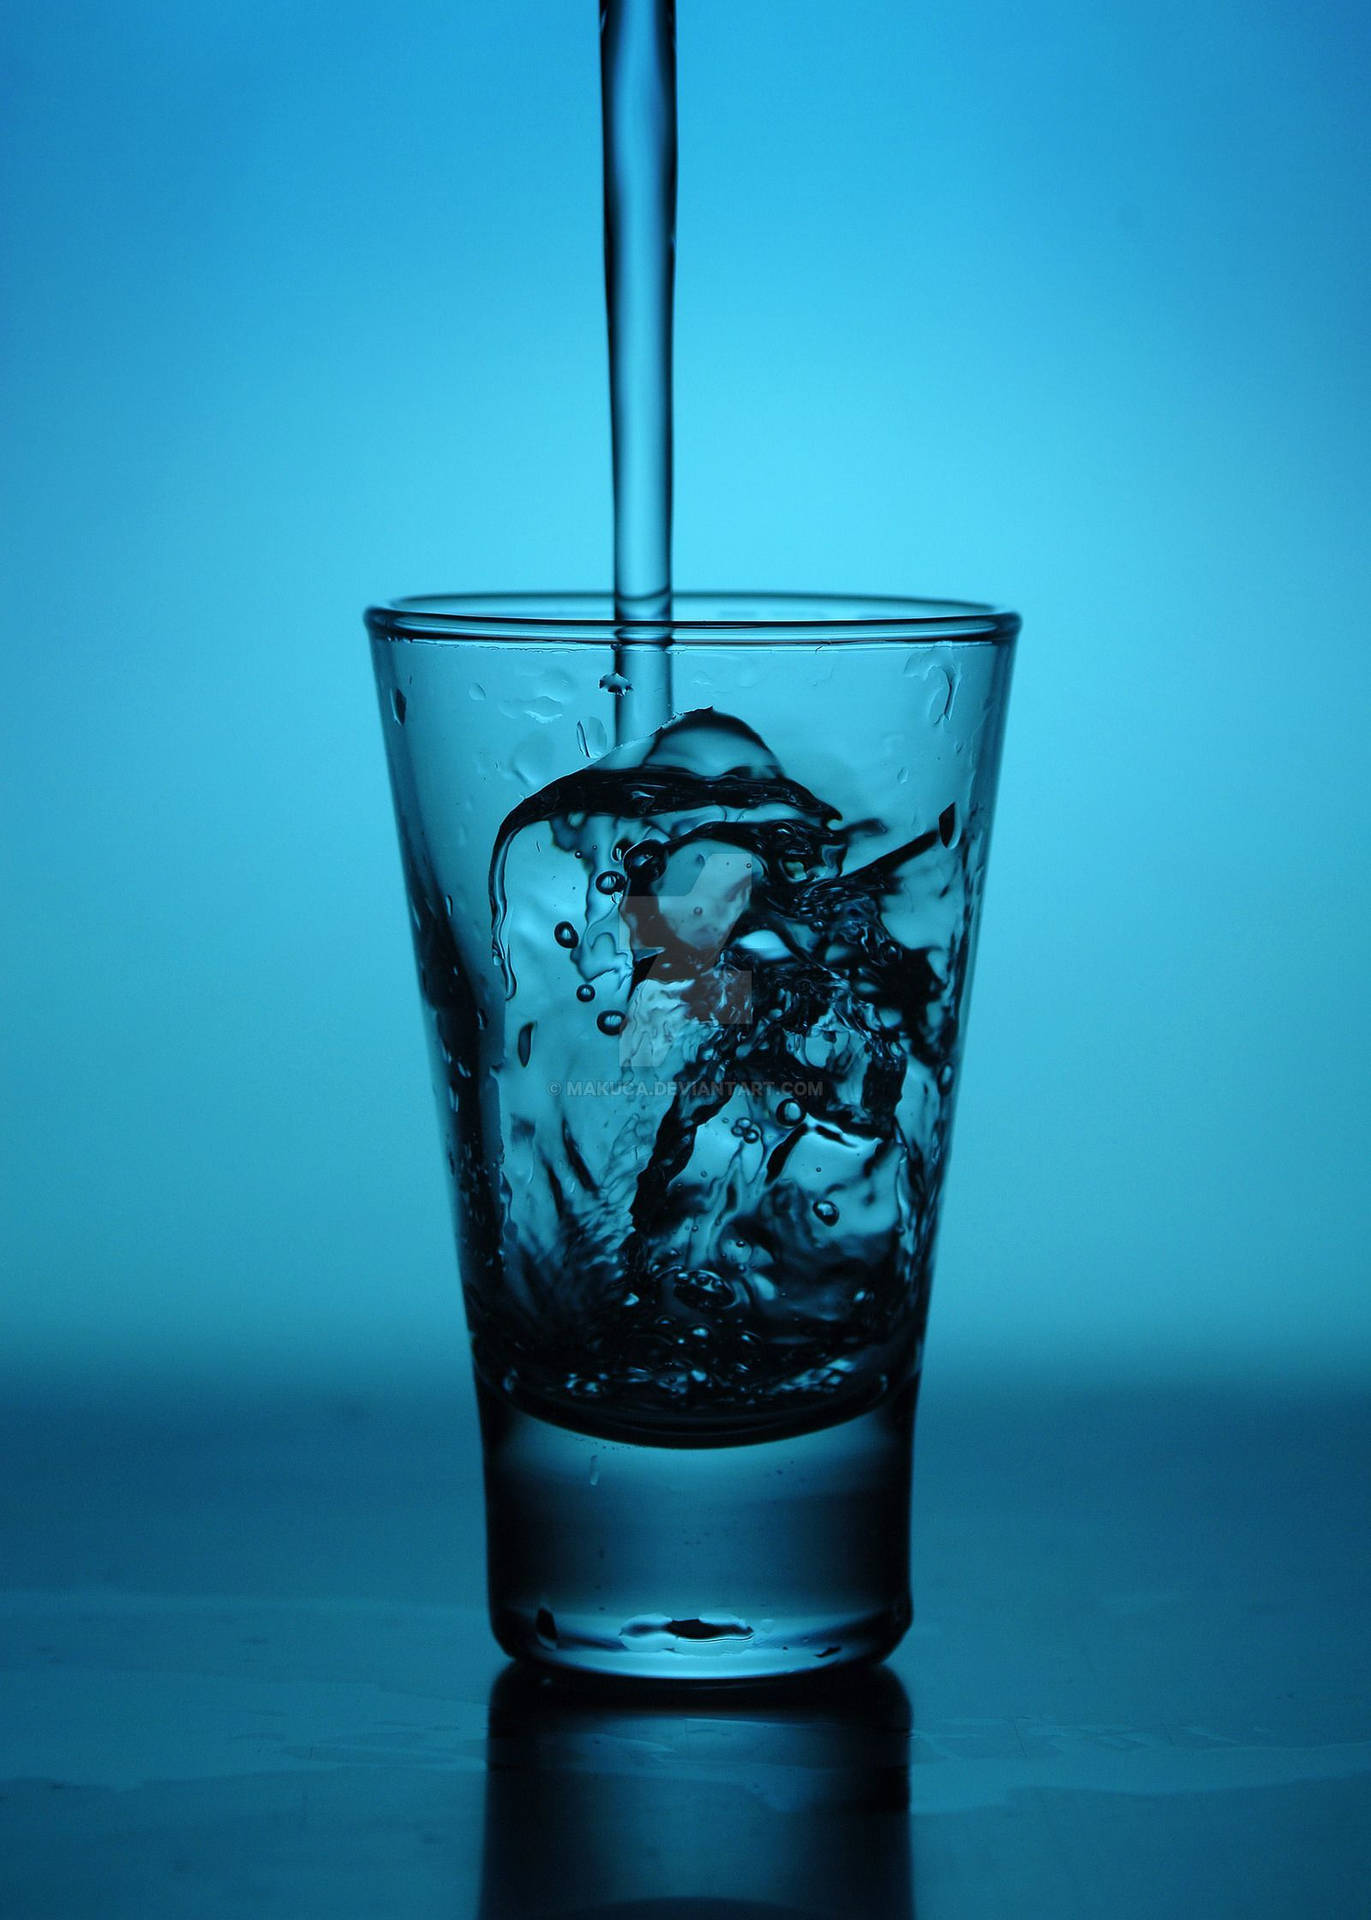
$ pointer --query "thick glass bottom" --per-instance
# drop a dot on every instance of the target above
(714, 1564)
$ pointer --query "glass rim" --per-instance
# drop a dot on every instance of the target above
(698, 618)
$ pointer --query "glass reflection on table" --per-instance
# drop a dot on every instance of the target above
(604, 1803)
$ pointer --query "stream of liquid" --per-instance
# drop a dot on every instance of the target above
(638, 103)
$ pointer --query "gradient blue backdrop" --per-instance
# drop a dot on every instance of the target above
(1060, 305)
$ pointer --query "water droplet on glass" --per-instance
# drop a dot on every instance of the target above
(525, 1043)
(534, 761)
(942, 690)
(948, 829)
(539, 708)
(616, 684)
(565, 934)
(476, 690)
(398, 704)
(611, 1022)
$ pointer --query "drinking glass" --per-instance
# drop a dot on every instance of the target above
(695, 928)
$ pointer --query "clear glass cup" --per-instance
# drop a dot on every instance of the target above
(694, 934)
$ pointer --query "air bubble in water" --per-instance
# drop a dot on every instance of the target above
(825, 1211)
(616, 684)
(790, 1113)
(525, 1043)
(585, 992)
(645, 865)
(610, 882)
(611, 1022)
(398, 703)
(565, 934)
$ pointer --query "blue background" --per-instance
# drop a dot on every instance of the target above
(1061, 306)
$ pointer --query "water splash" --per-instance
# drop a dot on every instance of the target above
(724, 1203)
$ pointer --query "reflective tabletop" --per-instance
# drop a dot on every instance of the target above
(245, 1670)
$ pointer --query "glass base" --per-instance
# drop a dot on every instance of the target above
(712, 1565)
